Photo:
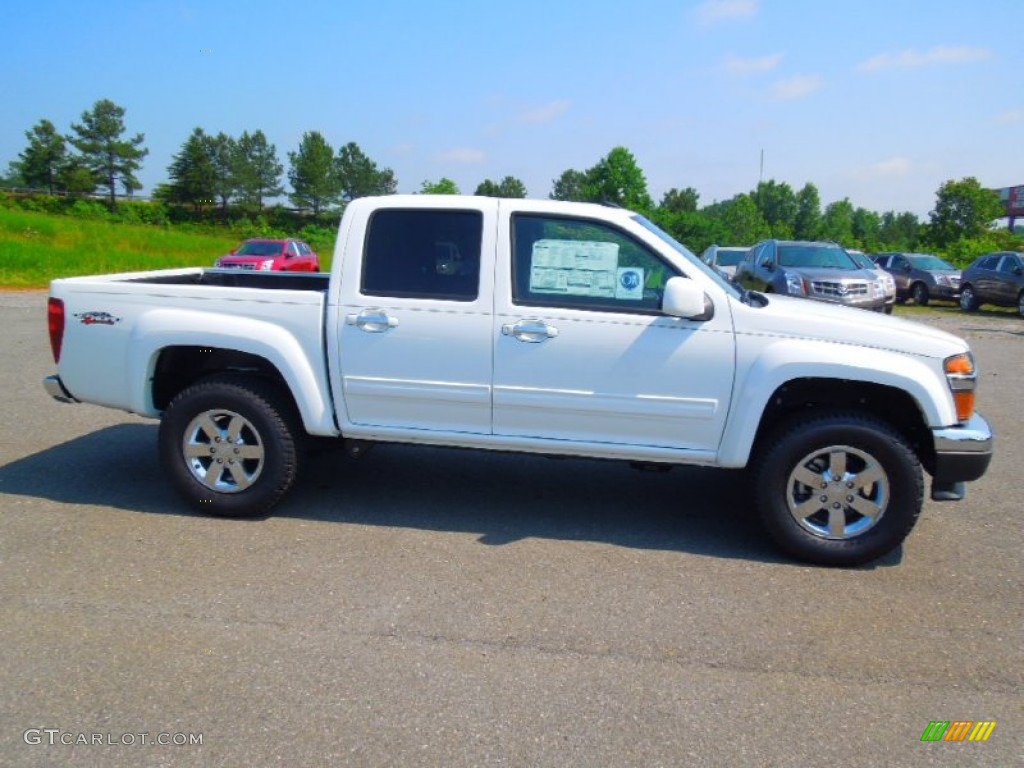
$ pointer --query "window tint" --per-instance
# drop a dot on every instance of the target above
(1009, 264)
(576, 263)
(988, 262)
(423, 254)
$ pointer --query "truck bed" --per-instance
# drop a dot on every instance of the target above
(242, 278)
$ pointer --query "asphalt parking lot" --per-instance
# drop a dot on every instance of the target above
(424, 607)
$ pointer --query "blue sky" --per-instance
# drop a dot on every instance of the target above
(878, 101)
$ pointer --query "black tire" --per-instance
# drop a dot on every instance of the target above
(814, 483)
(919, 292)
(888, 309)
(232, 475)
(1020, 304)
(968, 299)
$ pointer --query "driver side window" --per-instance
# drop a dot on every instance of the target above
(582, 264)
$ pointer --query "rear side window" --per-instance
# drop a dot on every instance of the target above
(988, 262)
(423, 254)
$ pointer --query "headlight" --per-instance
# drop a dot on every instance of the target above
(795, 285)
(266, 265)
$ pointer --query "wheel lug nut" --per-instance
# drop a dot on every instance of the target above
(824, 486)
(824, 499)
(849, 499)
(849, 485)
(837, 505)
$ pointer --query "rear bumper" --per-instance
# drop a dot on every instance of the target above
(55, 388)
(962, 453)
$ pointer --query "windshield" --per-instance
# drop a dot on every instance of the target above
(729, 257)
(821, 256)
(687, 254)
(862, 261)
(259, 248)
(928, 261)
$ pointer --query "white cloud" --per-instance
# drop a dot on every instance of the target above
(712, 11)
(942, 54)
(893, 168)
(546, 113)
(737, 66)
(797, 87)
(464, 155)
(1011, 116)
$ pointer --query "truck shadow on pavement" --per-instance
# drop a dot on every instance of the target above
(502, 498)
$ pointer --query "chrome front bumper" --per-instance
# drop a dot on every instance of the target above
(962, 454)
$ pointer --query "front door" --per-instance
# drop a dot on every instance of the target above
(582, 352)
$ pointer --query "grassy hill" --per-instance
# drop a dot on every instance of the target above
(38, 247)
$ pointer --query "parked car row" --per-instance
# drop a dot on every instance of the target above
(266, 255)
(827, 272)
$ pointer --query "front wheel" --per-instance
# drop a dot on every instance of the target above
(230, 445)
(968, 299)
(1020, 304)
(920, 294)
(841, 489)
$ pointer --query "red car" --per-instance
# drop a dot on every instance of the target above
(272, 255)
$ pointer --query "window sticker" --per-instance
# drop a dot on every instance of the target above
(630, 285)
(575, 268)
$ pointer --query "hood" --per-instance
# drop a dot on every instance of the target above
(791, 317)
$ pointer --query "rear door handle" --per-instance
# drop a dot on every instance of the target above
(372, 321)
(531, 331)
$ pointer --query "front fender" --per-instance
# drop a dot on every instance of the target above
(790, 359)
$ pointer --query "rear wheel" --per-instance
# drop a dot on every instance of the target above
(920, 294)
(230, 445)
(968, 299)
(841, 489)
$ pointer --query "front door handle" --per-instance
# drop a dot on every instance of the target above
(372, 321)
(530, 331)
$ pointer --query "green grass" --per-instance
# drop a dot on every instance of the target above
(37, 247)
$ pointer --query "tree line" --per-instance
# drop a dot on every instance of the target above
(224, 172)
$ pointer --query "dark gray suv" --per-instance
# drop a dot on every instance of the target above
(921, 276)
(814, 270)
(995, 278)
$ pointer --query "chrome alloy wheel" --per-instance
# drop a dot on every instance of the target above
(223, 451)
(837, 492)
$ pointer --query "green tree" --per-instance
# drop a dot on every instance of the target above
(443, 186)
(256, 170)
(313, 174)
(837, 223)
(867, 227)
(741, 221)
(571, 185)
(618, 179)
(45, 155)
(192, 172)
(111, 158)
(807, 223)
(76, 178)
(899, 232)
(223, 152)
(963, 209)
(13, 177)
(359, 176)
(778, 206)
(507, 187)
(680, 200)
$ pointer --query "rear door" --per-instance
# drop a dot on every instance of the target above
(415, 337)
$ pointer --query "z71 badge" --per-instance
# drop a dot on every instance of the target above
(97, 318)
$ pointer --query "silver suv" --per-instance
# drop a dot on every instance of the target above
(814, 270)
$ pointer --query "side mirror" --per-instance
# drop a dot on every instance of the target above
(768, 264)
(685, 298)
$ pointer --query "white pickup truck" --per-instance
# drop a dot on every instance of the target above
(530, 325)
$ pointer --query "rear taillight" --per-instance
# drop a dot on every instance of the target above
(55, 321)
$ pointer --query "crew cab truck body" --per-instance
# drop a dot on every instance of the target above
(538, 326)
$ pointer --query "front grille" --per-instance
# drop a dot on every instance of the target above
(839, 290)
(238, 266)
